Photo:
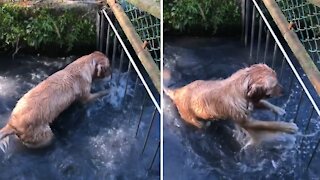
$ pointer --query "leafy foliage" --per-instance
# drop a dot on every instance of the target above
(37, 27)
(209, 15)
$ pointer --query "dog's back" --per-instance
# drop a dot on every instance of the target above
(43, 103)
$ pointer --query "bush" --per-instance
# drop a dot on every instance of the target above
(37, 28)
(207, 16)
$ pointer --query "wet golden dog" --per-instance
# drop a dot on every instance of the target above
(232, 98)
(39, 107)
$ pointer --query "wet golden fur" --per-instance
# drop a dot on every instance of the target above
(233, 98)
(39, 107)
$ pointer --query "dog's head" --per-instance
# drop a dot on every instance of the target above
(102, 65)
(263, 82)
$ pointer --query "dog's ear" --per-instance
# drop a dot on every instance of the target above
(99, 70)
(256, 91)
(102, 68)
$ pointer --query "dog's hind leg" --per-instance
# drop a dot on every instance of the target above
(269, 126)
(197, 123)
(40, 137)
(189, 116)
(193, 120)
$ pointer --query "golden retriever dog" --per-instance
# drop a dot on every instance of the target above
(233, 98)
(32, 115)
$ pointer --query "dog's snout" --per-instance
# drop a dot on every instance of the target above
(107, 71)
(278, 90)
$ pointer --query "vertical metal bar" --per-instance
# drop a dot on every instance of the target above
(267, 46)
(309, 119)
(120, 66)
(290, 86)
(154, 156)
(127, 80)
(134, 94)
(141, 112)
(313, 154)
(281, 70)
(297, 110)
(259, 38)
(247, 22)
(114, 51)
(102, 32)
(108, 40)
(243, 22)
(291, 82)
(307, 126)
(98, 24)
(252, 29)
(149, 129)
(275, 49)
(136, 84)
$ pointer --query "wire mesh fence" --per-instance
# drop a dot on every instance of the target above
(304, 15)
(147, 26)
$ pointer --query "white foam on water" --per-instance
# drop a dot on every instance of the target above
(116, 91)
(114, 149)
(293, 94)
(61, 63)
(117, 88)
(274, 140)
(38, 76)
(8, 87)
(111, 146)
(313, 134)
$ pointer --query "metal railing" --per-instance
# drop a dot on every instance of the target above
(142, 104)
(267, 45)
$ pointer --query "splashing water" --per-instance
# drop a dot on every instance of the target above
(120, 86)
(220, 151)
(94, 141)
(6, 86)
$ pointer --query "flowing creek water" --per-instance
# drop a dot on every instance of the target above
(217, 152)
(94, 141)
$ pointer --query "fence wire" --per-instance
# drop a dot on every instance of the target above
(147, 26)
(305, 17)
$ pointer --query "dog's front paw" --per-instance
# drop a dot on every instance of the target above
(104, 92)
(291, 128)
(279, 111)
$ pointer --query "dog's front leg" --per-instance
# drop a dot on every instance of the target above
(93, 96)
(258, 125)
(267, 105)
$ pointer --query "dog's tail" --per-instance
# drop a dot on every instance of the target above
(169, 92)
(5, 132)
